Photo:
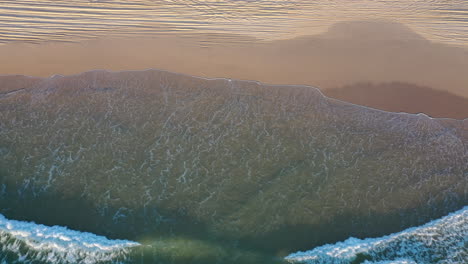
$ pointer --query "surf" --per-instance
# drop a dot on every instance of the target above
(444, 240)
(28, 242)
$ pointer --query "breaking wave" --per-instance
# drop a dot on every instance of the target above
(27, 242)
(441, 241)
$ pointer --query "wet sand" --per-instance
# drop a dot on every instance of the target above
(351, 52)
(403, 97)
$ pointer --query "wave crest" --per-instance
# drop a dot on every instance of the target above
(441, 241)
(27, 242)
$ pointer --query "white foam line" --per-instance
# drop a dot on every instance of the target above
(57, 243)
(446, 236)
(57, 76)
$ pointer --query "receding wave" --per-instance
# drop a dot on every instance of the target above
(441, 241)
(27, 242)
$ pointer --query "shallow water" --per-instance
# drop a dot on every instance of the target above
(219, 170)
(29, 242)
(439, 241)
(46, 20)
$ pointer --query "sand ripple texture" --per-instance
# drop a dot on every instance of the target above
(76, 20)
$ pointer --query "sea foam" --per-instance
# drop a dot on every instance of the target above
(441, 241)
(25, 242)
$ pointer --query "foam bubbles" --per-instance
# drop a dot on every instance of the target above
(25, 242)
(440, 241)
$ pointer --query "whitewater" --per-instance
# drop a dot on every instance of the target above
(28, 242)
(443, 240)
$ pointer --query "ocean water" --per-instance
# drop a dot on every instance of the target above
(76, 20)
(197, 170)
(27, 242)
(443, 240)
(156, 167)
